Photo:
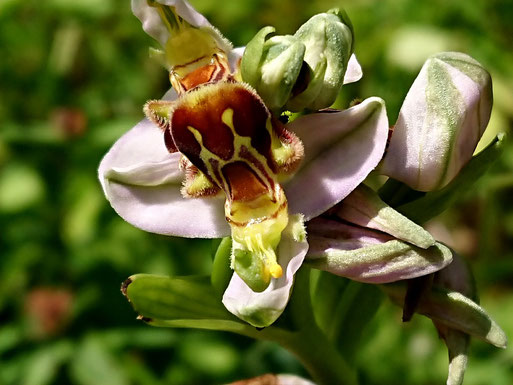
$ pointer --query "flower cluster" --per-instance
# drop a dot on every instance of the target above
(245, 147)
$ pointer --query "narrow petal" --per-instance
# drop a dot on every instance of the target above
(363, 207)
(354, 70)
(262, 309)
(457, 344)
(341, 149)
(369, 256)
(455, 311)
(142, 182)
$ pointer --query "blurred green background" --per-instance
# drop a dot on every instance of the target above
(74, 76)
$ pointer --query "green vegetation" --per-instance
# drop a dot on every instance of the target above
(74, 76)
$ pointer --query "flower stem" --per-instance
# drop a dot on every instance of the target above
(320, 358)
(310, 345)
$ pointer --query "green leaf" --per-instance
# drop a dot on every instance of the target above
(44, 363)
(95, 364)
(177, 298)
(343, 308)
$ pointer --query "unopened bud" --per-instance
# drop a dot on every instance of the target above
(272, 66)
(328, 39)
(440, 122)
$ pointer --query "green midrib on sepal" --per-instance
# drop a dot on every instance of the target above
(441, 88)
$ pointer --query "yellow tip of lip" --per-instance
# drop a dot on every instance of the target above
(276, 271)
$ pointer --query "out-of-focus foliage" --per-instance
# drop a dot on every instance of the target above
(73, 78)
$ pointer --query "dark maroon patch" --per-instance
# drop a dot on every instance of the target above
(168, 140)
(204, 116)
(245, 154)
(249, 119)
(243, 183)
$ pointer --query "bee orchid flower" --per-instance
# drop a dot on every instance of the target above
(212, 160)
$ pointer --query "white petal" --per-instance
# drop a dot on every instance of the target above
(341, 149)
(142, 182)
(353, 71)
(262, 309)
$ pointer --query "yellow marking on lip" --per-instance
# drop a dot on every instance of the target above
(265, 215)
(239, 142)
(227, 118)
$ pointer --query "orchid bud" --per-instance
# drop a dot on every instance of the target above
(194, 52)
(303, 71)
(440, 122)
(328, 39)
(272, 66)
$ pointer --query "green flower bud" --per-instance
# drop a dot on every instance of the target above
(328, 38)
(272, 66)
(303, 71)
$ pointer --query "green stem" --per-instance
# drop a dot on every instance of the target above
(309, 344)
(396, 193)
(320, 358)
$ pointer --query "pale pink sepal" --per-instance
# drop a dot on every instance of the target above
(369, 256)
(341, 149)
(152, 23)
(142, 181)
(353, 71)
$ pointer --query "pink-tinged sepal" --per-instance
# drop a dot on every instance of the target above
(367, 255)
(363, 207)
(341, 149)
(142, 182)
(440, 122)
